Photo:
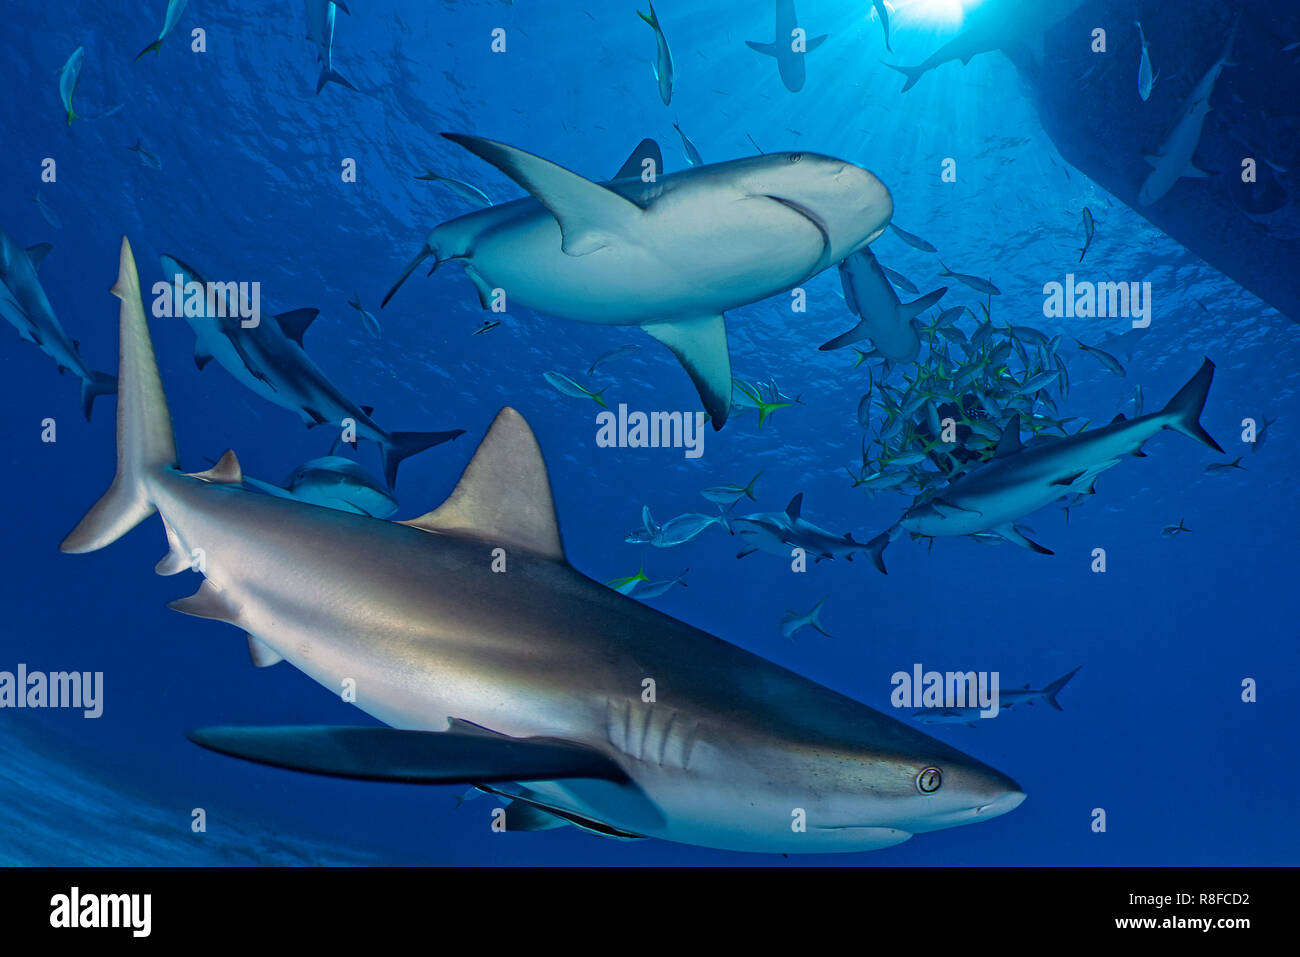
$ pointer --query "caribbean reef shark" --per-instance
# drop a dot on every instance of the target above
(1022, 479)
(332, 482)
(789, 60)
(995, 25)
(269, 359)
(1175, 158)
(888, 323)
(526, 682)
(779, 532)
(24, 305)
(1006, 701)
(670, 255)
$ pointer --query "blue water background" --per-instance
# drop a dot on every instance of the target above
(1153, 729)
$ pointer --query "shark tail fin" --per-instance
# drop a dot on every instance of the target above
(767, 49)
(1052, 690)
(876, 549)
(913, 73)
(815, 620)
(99, 383)
(154, 47)
(402, 445)
(329, 75)
(1183, 413)
(144, 426)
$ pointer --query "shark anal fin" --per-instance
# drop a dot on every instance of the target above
(38, 253)
(590, 216)
(411, 757)
(701, 347)
(504, 494)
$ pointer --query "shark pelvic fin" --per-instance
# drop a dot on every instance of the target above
(701, 347)
(504, 494)
(262, 654)
(647, 149)
(208, 602)
(225, 472)
(590, 216)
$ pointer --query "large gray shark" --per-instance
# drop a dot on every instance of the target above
(779, 532)
(888, 323)
(24, 305)
(670, 256)
(269, 359)
(995, 25)
(1022, 479)
(531, 681)
(332, 482)
(1174, 159)
(788, 56)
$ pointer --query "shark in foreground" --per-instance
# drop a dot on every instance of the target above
(528, 683)
(269, 359)
(1020, 479)
(670, 255)
(24, 305)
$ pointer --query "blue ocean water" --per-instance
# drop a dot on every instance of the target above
(1154, 729)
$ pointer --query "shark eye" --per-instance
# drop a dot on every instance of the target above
(929, 780)
(795, 157)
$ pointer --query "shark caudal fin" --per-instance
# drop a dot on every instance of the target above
(402, 445)
(99, 383)
(1183, 412)
(330, 75)
(876, 550)
(1052, 690)
(913, 73)
(144, 426)
(154, 47)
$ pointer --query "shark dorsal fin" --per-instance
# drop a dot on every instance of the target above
(504, 495)
(590, 216)
(295, 323)
(38, 253)
(647, 149)
(795, 506)
(225, 472)
(1009, 444)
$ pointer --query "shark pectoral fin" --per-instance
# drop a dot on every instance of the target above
(701, 347)
(411, 757)
(262, 654)
(504, 494)
(295, 323)
(481, 286)
(201, 356)
(1194, 172)
(767, 49)
(1013, 535)
(523, 816)
(647, 149)
(590, 216)
(208, 602)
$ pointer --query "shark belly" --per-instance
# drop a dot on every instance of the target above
(691, 262)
